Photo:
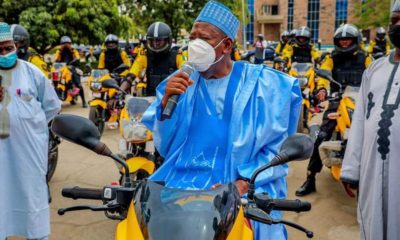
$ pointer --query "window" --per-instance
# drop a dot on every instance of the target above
(250, 26)
(313, 19)
(341, 12)
(270, 10)
(290, 15)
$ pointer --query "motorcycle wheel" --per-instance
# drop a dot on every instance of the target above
(52, 157)
(96, 116)
(139, 92)
(300, 125)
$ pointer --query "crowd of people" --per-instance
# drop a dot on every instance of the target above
(231, 116)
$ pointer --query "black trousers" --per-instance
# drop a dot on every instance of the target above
(327, 127)
(76, 79)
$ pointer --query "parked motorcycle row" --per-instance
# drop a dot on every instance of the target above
(312, 111)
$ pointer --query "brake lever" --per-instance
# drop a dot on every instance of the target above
(62, 211)
(308, 233)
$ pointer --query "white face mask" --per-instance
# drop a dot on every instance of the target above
(202, 55)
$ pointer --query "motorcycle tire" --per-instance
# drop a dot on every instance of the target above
(300, 124)
(52, 156)
(97, 117)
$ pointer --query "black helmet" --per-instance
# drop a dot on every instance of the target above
(159, 37)
(303, 32)
(293, 33)
(111, 38)
(380, 33)
(65, 39)
(347, 31)
(285, 34)
(21, 38)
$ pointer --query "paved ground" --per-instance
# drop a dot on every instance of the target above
(333, 214)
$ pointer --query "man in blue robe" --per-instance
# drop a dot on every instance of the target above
(231, 117)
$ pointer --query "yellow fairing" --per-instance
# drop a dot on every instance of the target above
(240, 230)
(137, 163)
(61, 87)
(344, 122)
(98, 102)
(129, 228)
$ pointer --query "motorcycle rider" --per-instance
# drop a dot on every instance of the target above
(22, 40)
(347, 63)
(283, 45)
(302, 51)
(292, 37)
(159, 60)
(68, 54)
(112, 56)
(380, 44)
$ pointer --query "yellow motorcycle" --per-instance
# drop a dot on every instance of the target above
(332, 151)
(61, 76)
(149, 210)
(280, 64)
(99, 113)
(136, 146)
(305, 73)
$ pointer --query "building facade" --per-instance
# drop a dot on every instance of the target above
(323, 17)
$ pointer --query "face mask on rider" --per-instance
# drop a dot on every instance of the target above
(8, 60)
(202, 55)
(394, 35)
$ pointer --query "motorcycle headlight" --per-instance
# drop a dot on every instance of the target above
(95, 86)
(303, 81)
(350, 112)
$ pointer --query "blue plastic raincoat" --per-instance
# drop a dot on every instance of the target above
(266, 105)
(24, 208)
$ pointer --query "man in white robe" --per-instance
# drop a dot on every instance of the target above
(27, 103)
(371, 162)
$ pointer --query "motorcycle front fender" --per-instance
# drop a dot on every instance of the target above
(137, 163)
(98, 102)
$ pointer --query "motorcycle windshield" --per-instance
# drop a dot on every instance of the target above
(58, 66)
(137, 105)
(97, 73)
(301, 68)
(166, 213)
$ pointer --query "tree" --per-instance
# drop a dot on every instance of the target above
(178, 14)
(372, 13)
(85, 21)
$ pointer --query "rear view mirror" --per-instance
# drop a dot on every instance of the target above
(76, 129)
(121, 68)
(110, 83)
(325, 74)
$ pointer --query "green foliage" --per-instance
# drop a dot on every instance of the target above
(178, 14)
(372, 13)
(85, 21)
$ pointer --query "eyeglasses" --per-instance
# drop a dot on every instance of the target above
(6, 49)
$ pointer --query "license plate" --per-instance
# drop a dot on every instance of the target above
(96, 95)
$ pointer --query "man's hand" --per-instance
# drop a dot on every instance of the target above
(176, 86)
(350, 189)
(1, 93)
(321, 95)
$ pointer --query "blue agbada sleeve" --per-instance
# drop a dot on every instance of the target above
(170, 133)
(278, 104)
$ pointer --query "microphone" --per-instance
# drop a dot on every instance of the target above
(172, 101)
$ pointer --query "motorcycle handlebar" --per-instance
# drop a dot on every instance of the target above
(84, 193)
(291, 205)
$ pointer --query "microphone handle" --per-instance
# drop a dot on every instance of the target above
(170, 107)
